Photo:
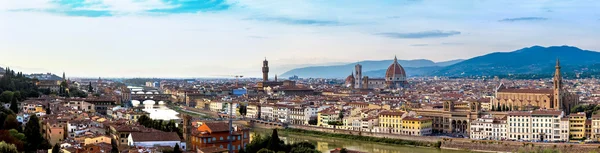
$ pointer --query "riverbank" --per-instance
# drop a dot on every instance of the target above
(191, 113)
(447, 143)
(435, 145)
(325, 144)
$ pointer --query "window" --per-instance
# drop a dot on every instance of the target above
(221, 138)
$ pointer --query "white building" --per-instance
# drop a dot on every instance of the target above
(482, 128)
(309, 112)
(488, 128)
(499, 129)
(545, 125)
(283, 114)
(216, 106)
(153, 139)
(252, 110)
(266, 112)
(519, 126)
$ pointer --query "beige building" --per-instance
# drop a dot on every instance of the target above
(595, 133)
(97, 139)
(555, 98)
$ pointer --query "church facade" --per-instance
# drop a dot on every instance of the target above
(555, 98)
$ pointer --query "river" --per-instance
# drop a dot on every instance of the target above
(325, 144)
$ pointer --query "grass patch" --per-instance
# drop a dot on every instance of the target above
(437, 144)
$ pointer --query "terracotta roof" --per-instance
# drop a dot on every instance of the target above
(546, 112)
(217, 126)
(535, 91)
(390, 113)
(411, 118)
(519, 114)
(155, 136)
(212, 150)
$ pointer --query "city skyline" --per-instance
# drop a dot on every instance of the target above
(204, 38)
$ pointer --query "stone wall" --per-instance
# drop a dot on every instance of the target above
(511, 146)
(467, 144)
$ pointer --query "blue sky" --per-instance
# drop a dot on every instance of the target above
(192, 38)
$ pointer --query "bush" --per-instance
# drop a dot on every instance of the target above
(7, 148)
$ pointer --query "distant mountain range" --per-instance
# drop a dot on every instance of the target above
(413, 68)
(531, 60)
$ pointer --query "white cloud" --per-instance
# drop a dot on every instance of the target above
(208, 43)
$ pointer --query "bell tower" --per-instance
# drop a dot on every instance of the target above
(358, 76)
(557, 87)
(265, 70)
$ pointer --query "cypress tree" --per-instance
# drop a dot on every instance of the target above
(33, 134)
(90, 88)
(176, 148)
(115, 148)
(274, 141)
(14, 106)
(56, 148)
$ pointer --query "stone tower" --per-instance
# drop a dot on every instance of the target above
(557, 87)
(265, 70)
(358, 76)
(187, 128)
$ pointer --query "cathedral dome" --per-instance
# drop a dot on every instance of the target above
(350, 79)
(395, 72)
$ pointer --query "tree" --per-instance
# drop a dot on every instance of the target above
(18, 96)
(56, 148)
(312, 121)
(303, 150)
(2, 118)
(115, 148)
(6, 96)
(265, 150)
(242, 110)
(11, 122)
(274, 142)
(33, 134)
(14, 106)
(176, 149)
(14, 133)
(48, 110)
(341, 116)
(8, 148)
(90, 88)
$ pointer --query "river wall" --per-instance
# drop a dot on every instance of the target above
(466, 144)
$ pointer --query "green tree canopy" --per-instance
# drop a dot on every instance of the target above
(33, 134)
(265, 150)
(11, 122)
(16, 134)
(8, 148)
(6, 96)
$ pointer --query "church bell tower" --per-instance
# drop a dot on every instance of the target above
(557, 87)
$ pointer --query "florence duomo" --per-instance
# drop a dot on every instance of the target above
(395, 77)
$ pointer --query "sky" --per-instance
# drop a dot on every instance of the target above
(219, 38)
